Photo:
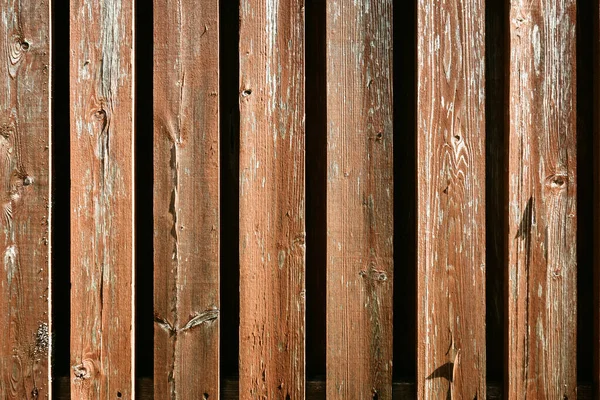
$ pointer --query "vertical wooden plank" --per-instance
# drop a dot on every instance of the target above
(541, 209)
(272, 227)
(101, 82)
(451, 199)
(359, 199)
(186, 199)
(25, 195)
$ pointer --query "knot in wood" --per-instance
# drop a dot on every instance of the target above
(85, 370)
(557, 181)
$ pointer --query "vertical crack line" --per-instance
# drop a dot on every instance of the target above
(174, 204)
(173, 209)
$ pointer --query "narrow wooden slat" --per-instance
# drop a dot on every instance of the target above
(360, 221)
(541, 210)
(101, 80)
(451, 200)
(25, 196)
(272, 228)
(186, 199)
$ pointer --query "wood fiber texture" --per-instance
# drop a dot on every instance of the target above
(24, 199)
(360, 194)
(271, 215)
(542, 201)
(451, 199)
(102, 136)
(186, 199)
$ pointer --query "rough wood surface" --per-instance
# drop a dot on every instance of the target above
(451, 200)
(272, 231)
(360, 271)
(101, 199)
(541, 210)
(186, 199)
(24, 198)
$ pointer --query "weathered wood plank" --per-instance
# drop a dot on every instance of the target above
(451, 199)
(102, 135)
(186, 199)
(272, 227)
(25, 195)
(541, 210)
(360, 226)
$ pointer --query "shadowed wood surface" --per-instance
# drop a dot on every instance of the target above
(541, 209)
(451, 200)
(24, 198)
(272, 227)
(101, 199)
(360, 271)
(315, 390)
(186, 199)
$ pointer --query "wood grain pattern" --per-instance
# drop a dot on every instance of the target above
(102, 135)
(24, 198)
(186, 199)
(272, 227)
(360, 272)
(451, 200)
(541, 210)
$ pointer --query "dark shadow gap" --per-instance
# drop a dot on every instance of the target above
(596, 198)
(495, 26)
(144, 181)
(405, 190)
(585, 183)
(229, 187)
(316, 188)
(61, 209)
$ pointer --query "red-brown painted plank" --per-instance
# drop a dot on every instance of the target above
(25, 199)
(272, 228)
(541, 211)
(186, 199)
(360, 221)
(451, 199)
(101, 81)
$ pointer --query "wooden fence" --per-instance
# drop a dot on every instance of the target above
(287, 199)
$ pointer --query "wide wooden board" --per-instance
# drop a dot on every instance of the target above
(102, 137)
(360, 198)
(186, 199)
(541, 209)
(272, 227)
(451, 360)
(25, 199)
